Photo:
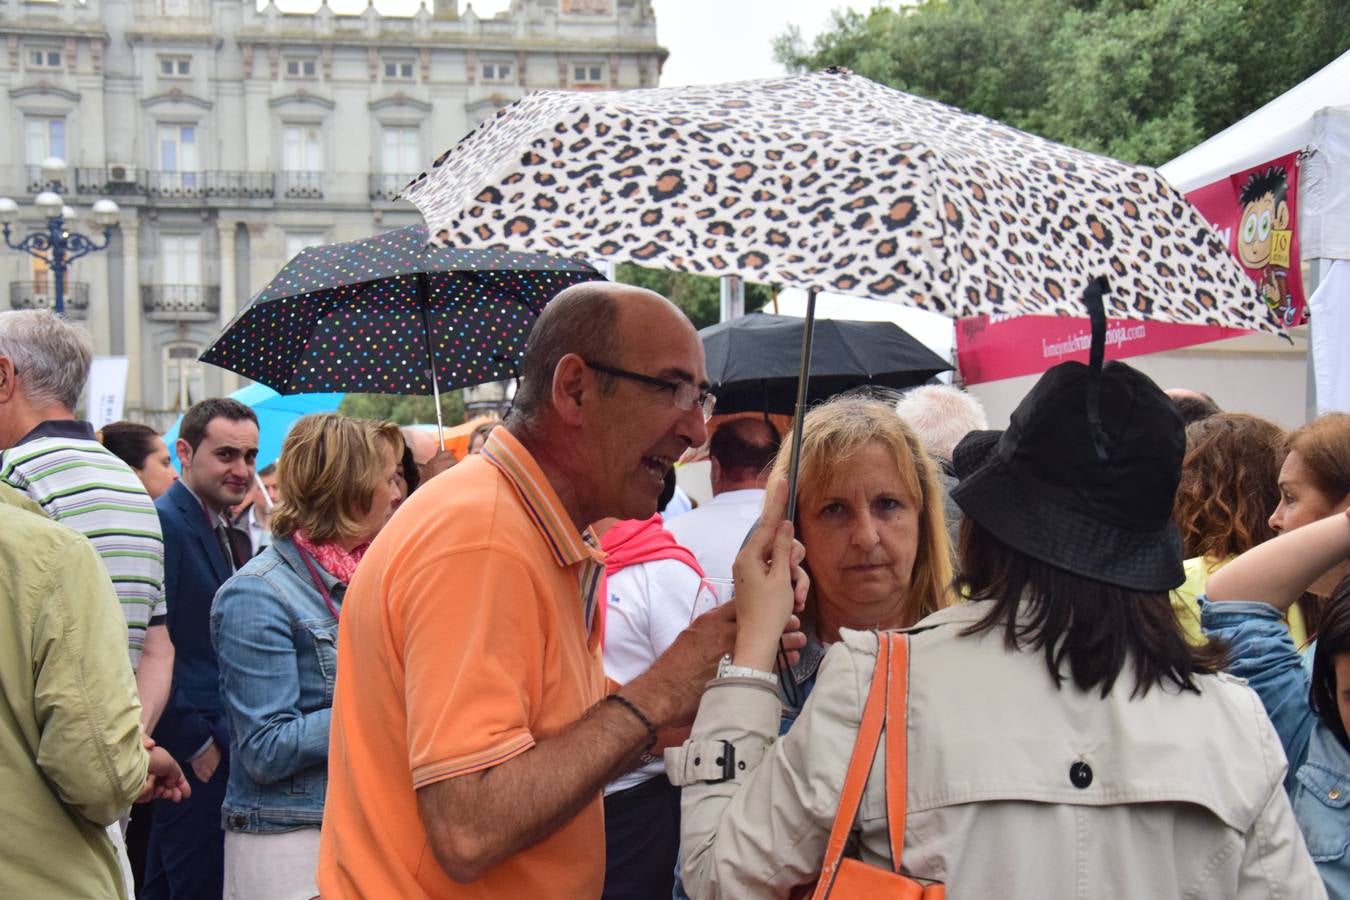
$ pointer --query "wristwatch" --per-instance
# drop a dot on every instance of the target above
(725, 669)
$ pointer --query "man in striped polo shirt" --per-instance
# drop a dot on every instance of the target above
(58, 462)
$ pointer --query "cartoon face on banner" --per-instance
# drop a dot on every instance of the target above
(1263, 233)
(1257, 209)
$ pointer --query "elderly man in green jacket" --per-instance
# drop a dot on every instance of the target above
(72, 755)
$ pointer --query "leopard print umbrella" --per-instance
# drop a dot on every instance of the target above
(834, 182)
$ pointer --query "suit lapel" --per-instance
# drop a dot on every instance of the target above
(196, 518)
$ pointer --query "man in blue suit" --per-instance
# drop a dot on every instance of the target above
(217, 444)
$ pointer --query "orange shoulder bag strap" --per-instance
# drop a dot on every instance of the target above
(888, 704)
(859, 764)
(897, 747)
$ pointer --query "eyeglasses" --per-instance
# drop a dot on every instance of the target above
(685, 395)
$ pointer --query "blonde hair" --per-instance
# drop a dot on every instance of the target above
(329, 470)
(833, 433)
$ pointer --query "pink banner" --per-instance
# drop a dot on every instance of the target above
(1256, 212)
(1026, 345)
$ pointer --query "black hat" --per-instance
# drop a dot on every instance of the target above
(1084, 478)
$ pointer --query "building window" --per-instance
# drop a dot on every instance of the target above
(500, 72)
(174, 8)
(175, 66)
(588, 73)
(401, 155)
(398, 70)
(302, 148)
(301, 67)
(301, 240)
(180, 259)
(178, 155)
(44, 58)
(184, 379)
(44, 137)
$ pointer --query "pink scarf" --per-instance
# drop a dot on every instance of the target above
(333, 559)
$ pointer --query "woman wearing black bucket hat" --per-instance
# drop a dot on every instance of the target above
(1063, 738)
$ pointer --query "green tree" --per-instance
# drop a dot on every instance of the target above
(404, 409)
(700, 296)
(1140, 80)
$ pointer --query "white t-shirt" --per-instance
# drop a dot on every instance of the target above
(647, 606)
(715, 532)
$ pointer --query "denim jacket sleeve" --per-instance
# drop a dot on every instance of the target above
(260, 681)
(1261, 651)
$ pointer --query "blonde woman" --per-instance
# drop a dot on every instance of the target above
(870, 514)
(274, 627)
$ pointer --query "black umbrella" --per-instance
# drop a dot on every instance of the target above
(754, 362)
(390, 315)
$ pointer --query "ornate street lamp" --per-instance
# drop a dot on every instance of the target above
(56, 246)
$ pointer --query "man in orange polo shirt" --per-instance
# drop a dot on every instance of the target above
(472, 732)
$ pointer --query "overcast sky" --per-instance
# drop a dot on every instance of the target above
(709, 40)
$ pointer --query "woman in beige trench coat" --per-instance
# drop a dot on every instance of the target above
(1065, 741)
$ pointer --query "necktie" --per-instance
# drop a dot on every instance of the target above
(224, 538)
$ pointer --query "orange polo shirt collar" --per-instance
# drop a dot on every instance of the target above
(509, 455)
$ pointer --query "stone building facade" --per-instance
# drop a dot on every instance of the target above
(232, 137)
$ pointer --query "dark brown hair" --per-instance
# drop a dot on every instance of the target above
(131, 442)
(1229, 485)
(200, 415)
(1093, 627)
(1333, 639)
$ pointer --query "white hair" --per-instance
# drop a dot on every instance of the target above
(941, 415)
(51, 357)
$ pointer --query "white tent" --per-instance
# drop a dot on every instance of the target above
(1314, 117)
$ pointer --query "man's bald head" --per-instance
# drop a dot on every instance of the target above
(592, 320)
(1192, 405)
(421, 442)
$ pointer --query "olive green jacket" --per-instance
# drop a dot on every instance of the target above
(71, 759)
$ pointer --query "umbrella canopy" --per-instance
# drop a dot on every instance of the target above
(833, 182)
(276, 414)
(753, 360)
(368, 315)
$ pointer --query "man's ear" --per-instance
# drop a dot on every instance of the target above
(1282, 216)
(184, 450)
(716, 473)
(571, 384)
(7, 384)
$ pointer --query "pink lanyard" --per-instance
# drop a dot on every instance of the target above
(318, 583)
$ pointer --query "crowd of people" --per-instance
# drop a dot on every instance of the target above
(1102, 652)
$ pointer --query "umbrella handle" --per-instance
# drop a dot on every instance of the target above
(423, 299)
(804, 375)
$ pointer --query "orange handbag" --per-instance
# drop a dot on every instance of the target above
(888, 704)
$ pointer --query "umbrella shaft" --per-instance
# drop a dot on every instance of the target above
(808, 333)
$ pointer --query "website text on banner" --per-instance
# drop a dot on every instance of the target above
(1256, 213)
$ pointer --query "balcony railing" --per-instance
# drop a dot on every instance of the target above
(253, 185)
(388, 187)
(175, 185)
(302, 185)
(120, 181)
(37, 184)
(181, 302)
(42, 295)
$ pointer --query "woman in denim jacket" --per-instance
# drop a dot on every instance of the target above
(1311, 714)
(274, 627)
